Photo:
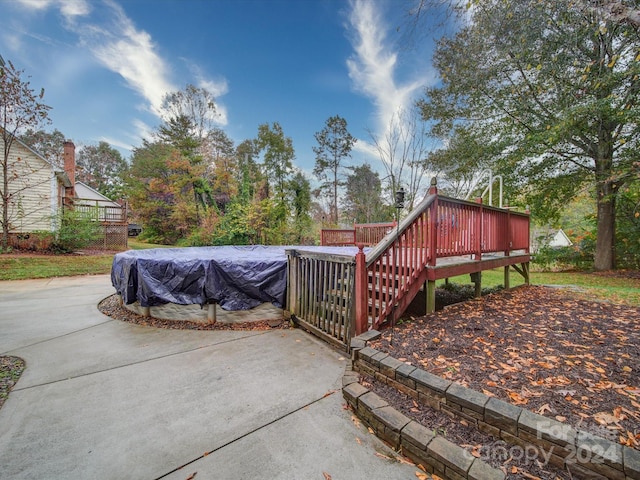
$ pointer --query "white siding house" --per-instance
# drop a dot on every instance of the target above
(39, 192)
(36, 190)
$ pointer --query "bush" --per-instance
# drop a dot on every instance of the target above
(76, 230)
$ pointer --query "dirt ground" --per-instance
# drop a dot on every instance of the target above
(545, 349)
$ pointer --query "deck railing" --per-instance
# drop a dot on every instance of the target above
(390, 275)
(337, 237)
(339, 295)
(368, 234)
(113, 234)
(100, 211)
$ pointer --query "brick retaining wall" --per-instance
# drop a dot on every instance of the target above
(584, 454)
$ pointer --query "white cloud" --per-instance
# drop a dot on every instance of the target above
(129, 52)
(373, 65)
(117, 143)
(144, 131)
(365, 148)
(68, 8)
(74, 8)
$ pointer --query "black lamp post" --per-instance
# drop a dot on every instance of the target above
(399, 206)
(400, 199)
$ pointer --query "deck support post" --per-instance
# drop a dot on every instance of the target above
(361, 292)
(430, 293)
(523, 270)
(476, 278)
(507, 283)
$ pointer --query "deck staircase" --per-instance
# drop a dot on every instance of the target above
(338, 296)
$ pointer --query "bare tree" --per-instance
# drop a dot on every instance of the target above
(20, 109)
(403, 151)
(195, 104)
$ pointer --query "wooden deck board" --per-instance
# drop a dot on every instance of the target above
(454, 266)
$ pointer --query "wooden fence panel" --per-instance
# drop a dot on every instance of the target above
(320, 294)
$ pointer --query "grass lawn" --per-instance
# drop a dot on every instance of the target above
(609, 286)
(23, 266)
(619, 289)
(20, 267)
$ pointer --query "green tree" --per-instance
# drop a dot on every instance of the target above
(20, 109)
(159, 192)
(334, 146)
(102, 168)
(363, 201)
(188, 117)
(248, 174)
(301, 200)
(219, 156)
(49, 145)
(278, 164)
(553, 86)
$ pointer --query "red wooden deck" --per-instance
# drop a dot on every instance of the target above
(441, 238)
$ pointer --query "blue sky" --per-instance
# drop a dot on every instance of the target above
(105, 65)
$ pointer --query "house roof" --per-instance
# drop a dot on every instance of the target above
(17, 139)
(64, 179)
(560, 239)
(60, 174)
(85, 192)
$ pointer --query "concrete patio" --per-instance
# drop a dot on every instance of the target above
(103, 399)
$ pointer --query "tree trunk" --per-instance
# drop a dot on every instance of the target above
(4, 241)
(606, 221)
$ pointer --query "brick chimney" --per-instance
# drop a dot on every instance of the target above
(70, 169)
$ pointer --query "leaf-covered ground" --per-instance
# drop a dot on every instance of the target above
(547, 350)
(10, 370)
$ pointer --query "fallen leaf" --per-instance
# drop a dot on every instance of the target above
(529, 476)
(422, 476)
(544, 408)
(192, 476)
(326, 476)
(605, 418)
(517, 399)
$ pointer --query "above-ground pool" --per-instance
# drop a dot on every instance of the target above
(236, 278)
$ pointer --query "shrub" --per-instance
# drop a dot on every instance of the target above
(76, 230)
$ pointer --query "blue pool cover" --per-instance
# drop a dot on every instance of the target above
(236, 278)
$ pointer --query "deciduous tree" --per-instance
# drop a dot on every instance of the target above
(363, 201)
(301, 200)
(20, 109)
(102, 168)
(49, 145)
(553, 86)
(278, 163)
(403, 150)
